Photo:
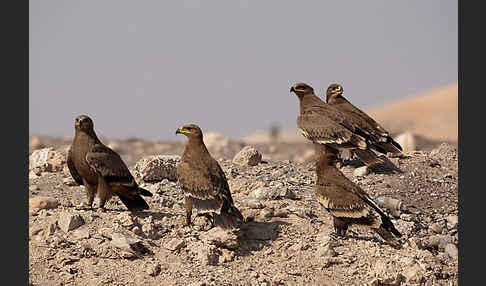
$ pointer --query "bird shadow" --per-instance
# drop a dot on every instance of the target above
(369, 238)
(155, 215)
(255, 235)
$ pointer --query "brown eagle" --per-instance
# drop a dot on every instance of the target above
(101, 170)
(204, 182)
(347, 203)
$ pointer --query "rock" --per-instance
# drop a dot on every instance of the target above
(244, 185)
(175, 244)
(43, 203)
(226, 256)
(105, 232)
(436, 228)
(150, 229)
(404, 227)
(50, 229)
(69, 221)
(393, 205)
(126, 243)
(444, 151)
(157, 167)
(265, 193)
(298, 211)
(326, 245)
(452, 221)
(33, 175)
(437, 241)
(251, 203)
(326, 250)
(46, 160)
(221, 238)
(292, 194)
(205, 254)
(33, 188)
(215, 142)
(258, 231)
(154, 269)
(248, 156)
(69, 181)
(414, 274)
(80, 234)
(407, 141)
(300, 246)
(126, 220)
(451, 250)
(361, 171)
(266, 214)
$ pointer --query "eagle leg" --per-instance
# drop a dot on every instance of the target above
(90, 194)
(188, 204)
(340, 227)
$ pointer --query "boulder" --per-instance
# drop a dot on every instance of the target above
(46, 160)
(248, 156)
(156, 168)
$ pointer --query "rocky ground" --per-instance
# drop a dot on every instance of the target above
(286, 241)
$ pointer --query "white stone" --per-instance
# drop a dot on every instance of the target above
(46, 160)
(248, 156)
(43, 203)
(157, 168)
(265, 193)
(361, 171)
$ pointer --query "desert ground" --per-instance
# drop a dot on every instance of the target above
(287, 237)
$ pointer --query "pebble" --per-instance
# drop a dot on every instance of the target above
(451, 250)
(69, 221)
(361, 171)
(175, 244)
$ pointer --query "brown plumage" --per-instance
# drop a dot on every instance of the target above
(204, 182)
(101, 170)
(347, 203)
(321, 123)
(334, 97)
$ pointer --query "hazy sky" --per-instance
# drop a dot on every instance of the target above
(143, 68)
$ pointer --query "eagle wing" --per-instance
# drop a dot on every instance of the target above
(72, 169)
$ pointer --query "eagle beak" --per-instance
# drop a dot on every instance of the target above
(292, 89)
(178, 131)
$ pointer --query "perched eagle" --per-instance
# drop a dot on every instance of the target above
(321, 123)
(101, 170)
(347, 203)
(386, 144)
(204, 182)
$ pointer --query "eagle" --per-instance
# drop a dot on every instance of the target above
(204, 182)
(386, 144)
(101, 170)
(347, 203)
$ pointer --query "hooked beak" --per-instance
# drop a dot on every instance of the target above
(292, 89)
(178, 131)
